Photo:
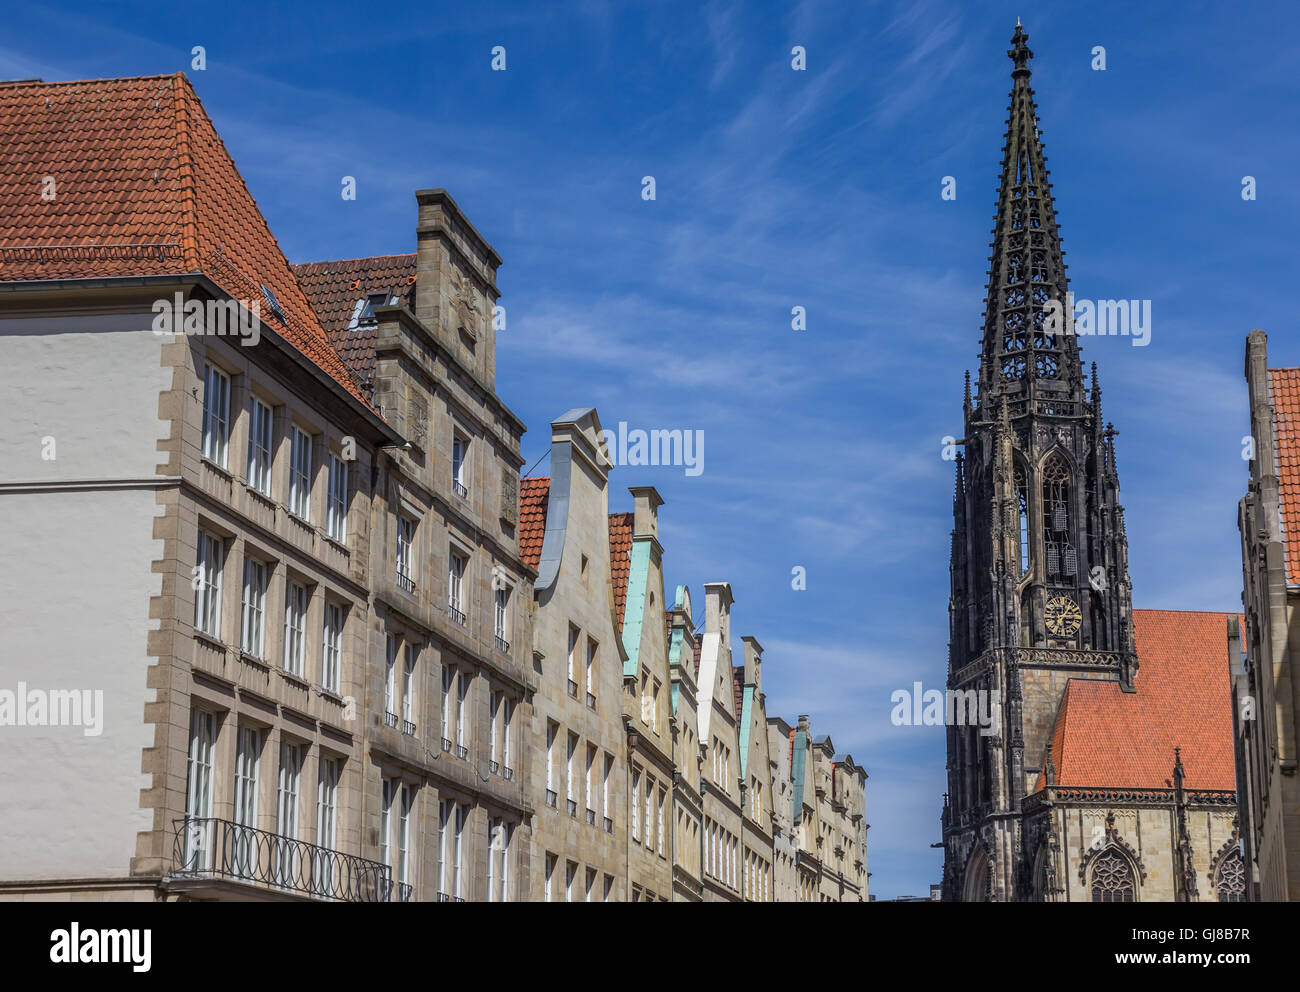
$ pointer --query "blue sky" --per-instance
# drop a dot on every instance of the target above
(777, 189)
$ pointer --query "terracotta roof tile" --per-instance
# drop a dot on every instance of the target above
(1285, 387)
(144, 186)
(1107, 738)
(335, 288)
(620, 560)
(534, 497)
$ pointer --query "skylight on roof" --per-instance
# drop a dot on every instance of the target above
(273, 303)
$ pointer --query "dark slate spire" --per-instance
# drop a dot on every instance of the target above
(1019, 355)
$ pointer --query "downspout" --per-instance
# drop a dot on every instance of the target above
(744, 859)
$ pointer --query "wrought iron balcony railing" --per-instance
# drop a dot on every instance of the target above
(573, 688)
(591, 700)
(609, 825)
(502, 644)
(508, 773)
(408, 728)
(591, 816)
(405, 582)
(462, 752)
(456, 615)
(573, 808)
(207, 847)
(461, 491)
(446, 744)
(390, 719)
(551, 798)
(447, 897)
(494, 766)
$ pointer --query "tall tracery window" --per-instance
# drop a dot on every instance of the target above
(1062, 555)
(1112, 878)
(1022, 509)
(1230, 878)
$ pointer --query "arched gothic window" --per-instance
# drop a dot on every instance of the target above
(1230, 878)
(1062, 556)
(1022, 508)
(1112, 878)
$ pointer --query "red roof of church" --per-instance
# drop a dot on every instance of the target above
(1285, 387)
(143, 186)
(620, 559)
(533, 499)
(1110, 739)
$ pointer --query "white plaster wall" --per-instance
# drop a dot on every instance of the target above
(75, 585)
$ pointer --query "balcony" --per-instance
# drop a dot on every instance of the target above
(502, 644)
(609, 825)
(591, 701)
(390, 719)
(462, 752)
(460, 490)
(405, 583)
(446, 744)
(573, 689)
(456, 615)
(494, 766)
(408, 728)
(591, 816)
(508, 773)
(551, 798)
(208, 848)
(573, 809)
(447, 897)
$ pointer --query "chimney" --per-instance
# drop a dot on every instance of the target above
(456, 288)
(717, 611)
(647, 501)
(753, 663)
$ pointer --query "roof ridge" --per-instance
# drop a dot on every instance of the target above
(359, 258)
(16, 83)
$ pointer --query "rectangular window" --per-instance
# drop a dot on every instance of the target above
(636, 804)
(455, 586)
(300, 475)
(573, 660)
(462, 819)
(591, 885)
(609, 889)
(505, 733)
(405, 558)
(408, 691)
(295, 628)
(507, 838)
(501, 602)
(660, 847)
(286, 815)
(550, 873)
(448, 680)
(390, 676)
(216, 414)
(592, 647)
(462, 712)
(327, 803)
(446, 810)
(198, 797)
(605, 809)
(568, 778)
(252, 633)
(403, 869)
(589, 783)
(332, 649)
(459, 447)
(570, 874)
(207, 592)
(247, 754)
(259, 446)
(386, 822)
(551, 730)
(494, 710)
(336, 509)
(654, 707)
(649, 813)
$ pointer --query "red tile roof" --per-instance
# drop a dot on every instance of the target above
(143, 186)
(1110, 739)
(620, 559)
(1285, 387)
(534, 496)
(334, 289)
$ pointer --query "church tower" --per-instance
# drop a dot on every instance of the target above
(1039, 567)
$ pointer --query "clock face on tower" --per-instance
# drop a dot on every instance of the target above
(1062, 616)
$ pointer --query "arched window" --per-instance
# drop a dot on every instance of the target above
(1112, 877)
(1230, 878)
(1062, 556)
(976, 888)
(1022, 508)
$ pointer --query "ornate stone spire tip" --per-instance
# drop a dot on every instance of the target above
(1020, 54)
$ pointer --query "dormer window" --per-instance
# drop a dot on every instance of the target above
(363, 313)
